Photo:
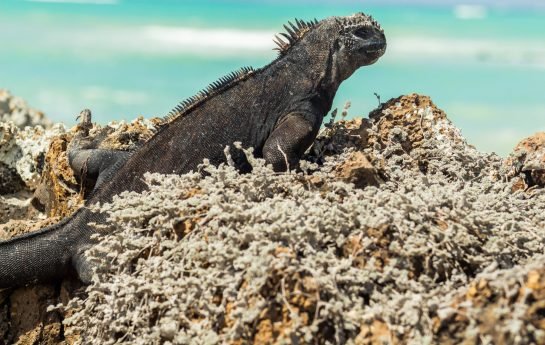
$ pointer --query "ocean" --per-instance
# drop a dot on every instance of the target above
(483, 64)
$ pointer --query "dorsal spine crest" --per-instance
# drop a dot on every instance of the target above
(211, 90)
(294, 33)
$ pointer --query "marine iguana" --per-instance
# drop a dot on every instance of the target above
(277, 110)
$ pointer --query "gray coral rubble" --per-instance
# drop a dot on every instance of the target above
(25, 135)
(307, 257)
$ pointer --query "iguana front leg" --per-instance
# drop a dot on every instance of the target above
(292, 136)
(92, 165)
(89, 163)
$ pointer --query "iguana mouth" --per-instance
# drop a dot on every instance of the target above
(375, 49)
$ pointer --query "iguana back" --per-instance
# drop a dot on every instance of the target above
(277, 110)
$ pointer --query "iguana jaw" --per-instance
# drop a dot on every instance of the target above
(373, 51)
(362, 39)
(360, 42)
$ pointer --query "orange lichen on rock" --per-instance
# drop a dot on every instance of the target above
(359, 170)
(376, 332)
(377, 250)
(124, 136)
(526, 165)
(419, 118)
(493, 307)
(59, 191)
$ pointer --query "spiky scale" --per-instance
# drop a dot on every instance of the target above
(204, 94)
(290, 31)
(294, 28)
(290, 39)
(280, 43)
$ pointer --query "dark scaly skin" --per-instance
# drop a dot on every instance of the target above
(277, 110)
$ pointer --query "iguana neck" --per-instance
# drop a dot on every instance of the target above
(316, 72)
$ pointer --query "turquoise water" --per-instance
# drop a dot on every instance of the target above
(485, 66)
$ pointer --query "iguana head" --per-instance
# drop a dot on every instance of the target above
(360, 41)
(345, 43)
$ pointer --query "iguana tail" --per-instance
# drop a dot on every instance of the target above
(46, 254)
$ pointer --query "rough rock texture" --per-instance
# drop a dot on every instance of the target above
(10, 182)
(358, 170)
(397, 231)
(21, 162)
(16, 207)
(34, 159)
(499, 307)
(60, 193)
(22, 150)
(14, 109)
(278, 258)
(526, 165)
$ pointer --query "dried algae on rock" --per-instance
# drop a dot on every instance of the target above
(22, 151)
(396, 231)
(34, 173)
(307, 257)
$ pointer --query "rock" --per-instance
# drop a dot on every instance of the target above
(526, 165)
(503, 307)
(21, 161)
(410, 121)
(29, 317)
(408, 132)
(35, 159)
(10, 181)
(60, 192)
(358, 169)
(22, 150)
(14, 109)
(16, 227)
(304, 257)
(16, 206)
(338, 136)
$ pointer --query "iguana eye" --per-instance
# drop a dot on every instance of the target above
(363, 33)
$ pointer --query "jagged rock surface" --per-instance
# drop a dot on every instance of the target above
(14, 109)
(526, 165)
(398, 231)
(22, 150)
(60, 193)
(267, 257)
(21, 160)
(34, 171)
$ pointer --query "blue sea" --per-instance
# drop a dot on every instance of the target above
(483, 63)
